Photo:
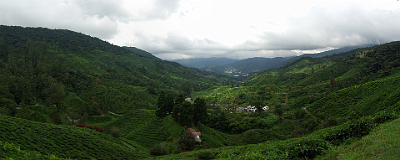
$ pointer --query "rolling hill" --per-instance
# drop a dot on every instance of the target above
(249, 67)
(88, 70)
(317, 105)
(335, 103)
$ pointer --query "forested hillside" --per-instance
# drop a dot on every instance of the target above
(90, 75)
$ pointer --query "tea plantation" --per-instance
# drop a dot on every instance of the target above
(64, 141)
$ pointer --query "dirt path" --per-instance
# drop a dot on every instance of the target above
(128, 145)
(115, 113)
(72, 120)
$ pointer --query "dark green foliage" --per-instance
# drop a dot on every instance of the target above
(55, 94)
(140, 52)
(161, 106)
(332, 84)
(258, 104)
(186, 141)
(115, 132)
(218, 121)
(332, 121)
(235, 140)
(39, 64)
(278, 110)
(169, 103)
(200, 110)
(7, 107)
(160, 149)
(183, 113)
(251, 137)
(180, 99)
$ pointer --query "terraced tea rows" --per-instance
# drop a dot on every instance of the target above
(150, 134)
(64, 141)
(360, 100)
(132, 120)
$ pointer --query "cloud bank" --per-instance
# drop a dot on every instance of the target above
(177, 29)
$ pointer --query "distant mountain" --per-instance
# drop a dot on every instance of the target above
(204, 62)
(249, 66)
(335, 51)
(326, 53)
(246, 65)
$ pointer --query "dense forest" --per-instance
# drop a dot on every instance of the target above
(66, 68)
(68, 95)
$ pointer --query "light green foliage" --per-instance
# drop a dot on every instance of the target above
(382, 143)
(11, 152)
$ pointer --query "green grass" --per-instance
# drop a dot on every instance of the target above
(382, 143)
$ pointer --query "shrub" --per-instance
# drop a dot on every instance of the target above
(235, 140)
(152, 152)
(304, 148)
(251, 137)
(98, 128)
(206, 155)
(115, 132)
(186, 141)
(90, 127)
(183, 151)
(80, 125)
(159, 149)
(332, 121)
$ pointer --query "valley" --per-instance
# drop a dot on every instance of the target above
(318, 107)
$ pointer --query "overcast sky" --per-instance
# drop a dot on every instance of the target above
(174, 29)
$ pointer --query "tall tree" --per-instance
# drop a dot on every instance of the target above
(332, 84)
(161, 106)
(200, 110)
(55, 94)
(258, 104)
(183, 113)
(279, 112)
(169, 105)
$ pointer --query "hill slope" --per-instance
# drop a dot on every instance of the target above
(251, 65)
(99, 75)
(64, 141)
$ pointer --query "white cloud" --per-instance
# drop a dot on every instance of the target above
(197, 28)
